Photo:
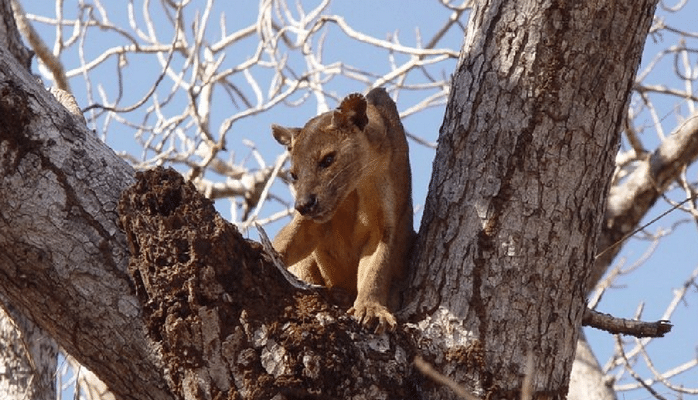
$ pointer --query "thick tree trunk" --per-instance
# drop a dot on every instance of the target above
(520, 182)
(587, 381)
(27, 352)
(63, 259)
(508, 238)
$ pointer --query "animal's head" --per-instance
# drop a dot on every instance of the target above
(327, 155)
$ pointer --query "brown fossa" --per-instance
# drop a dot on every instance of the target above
(352, 228)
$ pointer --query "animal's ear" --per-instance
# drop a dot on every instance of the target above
(284, 135)
(351, 110)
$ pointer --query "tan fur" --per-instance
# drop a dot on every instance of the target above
(353, 225)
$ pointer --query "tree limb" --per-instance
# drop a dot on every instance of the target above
(45, 55)
(229, 322)
(10, 38)
(629, 201)
(63, 258)
(624, 326)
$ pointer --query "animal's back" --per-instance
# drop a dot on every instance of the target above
(395, 132)
(400, 177)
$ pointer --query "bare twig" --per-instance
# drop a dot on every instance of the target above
(634, 374)
(37, 43)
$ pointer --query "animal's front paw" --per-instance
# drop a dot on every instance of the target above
(371, 314)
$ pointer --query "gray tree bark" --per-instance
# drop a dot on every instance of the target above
(27, 352)
(587, 381)
(520, 181)
(63, 259)
(508, 239)
(27, 358)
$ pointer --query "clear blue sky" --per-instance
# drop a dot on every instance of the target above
(652, 283)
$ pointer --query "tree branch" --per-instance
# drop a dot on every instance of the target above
(10, 38)
(229, 322)
(62, 256)
(624, 326)
(629, 201)
(51, 62)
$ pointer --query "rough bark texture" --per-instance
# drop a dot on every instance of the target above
(27, 352)
(63, 259)
(520, 181)
(230, 324)
(508, 236)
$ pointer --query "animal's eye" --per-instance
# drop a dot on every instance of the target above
(327, 160)
(293, 176)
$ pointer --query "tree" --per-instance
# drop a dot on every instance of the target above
(481, 272)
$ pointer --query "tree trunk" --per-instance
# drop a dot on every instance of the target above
(587, 381)
(63, 259)
(507, 240)
(520, 181)
(27, 358)
(27, 353)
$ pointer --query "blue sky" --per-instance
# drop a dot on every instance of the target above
(652, 283)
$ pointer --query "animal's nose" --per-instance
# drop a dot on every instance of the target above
(307, 204)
